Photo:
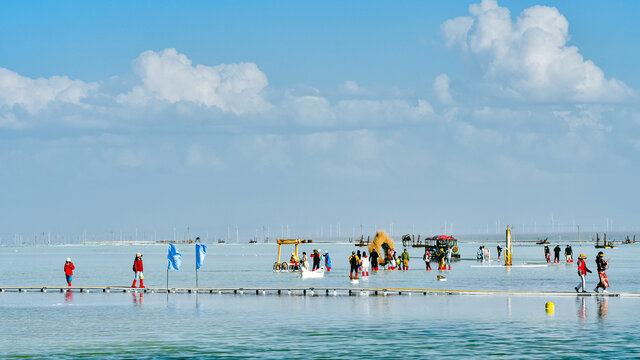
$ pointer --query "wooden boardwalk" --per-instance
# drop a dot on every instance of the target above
(304, 291)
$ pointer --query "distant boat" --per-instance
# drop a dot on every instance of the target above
(543, 242)
(605, 244)
(221, 241)
(253, 241)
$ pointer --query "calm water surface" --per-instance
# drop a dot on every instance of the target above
(155, 325)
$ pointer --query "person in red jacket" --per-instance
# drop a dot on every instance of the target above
(582, 272)
(137, 271)
(68, 270)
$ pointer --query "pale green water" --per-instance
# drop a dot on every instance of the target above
(187, 325)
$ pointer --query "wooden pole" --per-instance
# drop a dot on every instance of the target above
(196, 265)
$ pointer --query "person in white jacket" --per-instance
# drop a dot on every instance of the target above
(365, 264)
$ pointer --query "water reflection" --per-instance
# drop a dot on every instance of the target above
(138, 299)
(603, 308)
(582, 308)
(68, 297)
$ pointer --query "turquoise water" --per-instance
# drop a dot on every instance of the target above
(189, 325)
(127, 325)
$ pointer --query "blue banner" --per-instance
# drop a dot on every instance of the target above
(175, 258)
(201, 251)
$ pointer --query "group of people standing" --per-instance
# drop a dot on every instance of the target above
(568, 254)
(484, 254)
(396, 262)
(443, 257)
(137, 271)
(359, 262)
(316, 256)
(601, 265)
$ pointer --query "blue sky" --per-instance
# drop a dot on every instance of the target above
(119, 115)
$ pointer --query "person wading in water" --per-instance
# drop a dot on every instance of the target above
(354, 261)
(556, 254)
(568, 253)
(427, 259)
(374, 260)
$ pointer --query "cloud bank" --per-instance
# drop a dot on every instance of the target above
(169, 76)
(529, 57)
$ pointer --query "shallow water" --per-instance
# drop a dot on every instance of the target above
(189, 325)
(251, 265)
(125, 325)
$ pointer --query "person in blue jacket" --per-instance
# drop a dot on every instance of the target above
(327, 261)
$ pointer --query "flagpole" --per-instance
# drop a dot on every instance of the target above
(196, 266)
(167, 279)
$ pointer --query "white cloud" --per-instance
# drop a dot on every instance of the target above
(530, 57)
(456, 30)
(319, 112)
(34, 95)
(169, 76)
(352, 88)
(441, 88)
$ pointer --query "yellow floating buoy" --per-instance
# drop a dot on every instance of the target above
(549, 307)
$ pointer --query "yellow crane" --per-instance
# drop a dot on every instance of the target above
(286, 266)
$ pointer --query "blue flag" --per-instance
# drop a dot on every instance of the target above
(175, 258)
(201, 251)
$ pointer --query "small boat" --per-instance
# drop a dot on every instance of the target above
(306, 273)
(441, 278)
(543, 242)
(605, 244)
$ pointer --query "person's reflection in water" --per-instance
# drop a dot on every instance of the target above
(603, 308)
(582, 308)
(137, 301)
(68, 297)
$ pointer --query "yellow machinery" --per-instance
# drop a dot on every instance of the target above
(381, 243)
(508, 252)
(285, 266)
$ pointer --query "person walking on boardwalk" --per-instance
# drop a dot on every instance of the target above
(568, 253)
(138, 269)
(556, 254)
(447, 258)
(427, 258)
(374, 260)
(327, 261)
(316, 260)
(499, 250)
(547, 253)
(602, 266)
(354, 261)
(405, 260)
(68, 270)
(365, 264)
(582, 272)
